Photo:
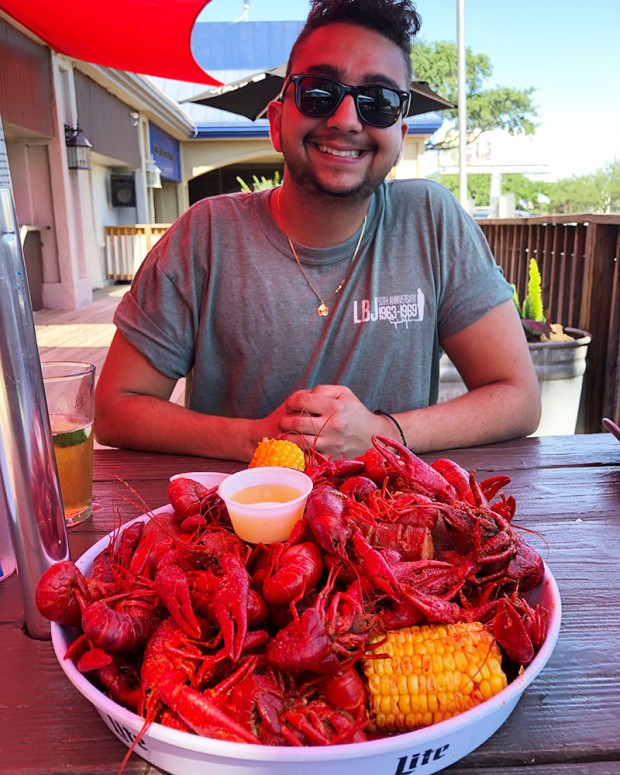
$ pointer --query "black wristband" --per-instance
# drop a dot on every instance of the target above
(396, 423)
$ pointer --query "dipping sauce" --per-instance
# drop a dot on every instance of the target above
(266, 494)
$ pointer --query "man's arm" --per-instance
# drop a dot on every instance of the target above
(503, 401)
(132, 410)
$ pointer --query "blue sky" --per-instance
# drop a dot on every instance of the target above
(567, 50)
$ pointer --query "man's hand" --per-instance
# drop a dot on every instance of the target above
(332, 420)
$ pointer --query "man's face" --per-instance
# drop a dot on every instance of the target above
(340, 155)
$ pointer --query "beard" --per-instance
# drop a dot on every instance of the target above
(306, 179)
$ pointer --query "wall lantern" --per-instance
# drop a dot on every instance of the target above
(153, 174)
(78, 149)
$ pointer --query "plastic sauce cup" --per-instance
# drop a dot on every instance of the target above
(265, 502)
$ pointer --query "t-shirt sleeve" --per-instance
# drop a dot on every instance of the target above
(473, 282)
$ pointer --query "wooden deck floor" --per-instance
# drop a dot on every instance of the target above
(80, 334)
(84, 334)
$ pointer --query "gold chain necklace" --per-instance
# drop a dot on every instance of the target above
(322, 310)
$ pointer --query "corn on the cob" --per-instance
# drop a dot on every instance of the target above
(278, 452)
(431, 673)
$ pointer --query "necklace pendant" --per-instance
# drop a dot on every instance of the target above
(322, 310)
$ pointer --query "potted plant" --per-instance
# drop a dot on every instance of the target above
(559, 357)
(533, 316)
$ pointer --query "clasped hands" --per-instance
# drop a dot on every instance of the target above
(328, 418)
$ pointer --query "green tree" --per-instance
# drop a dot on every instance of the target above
(596, 193)
(526, 191)
(493, 108)
(478, 187)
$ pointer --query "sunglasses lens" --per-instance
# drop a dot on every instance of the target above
(317, 96)
(378, 106)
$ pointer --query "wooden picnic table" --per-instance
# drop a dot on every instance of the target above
(568, 721)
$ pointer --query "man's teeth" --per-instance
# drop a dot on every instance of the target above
(334, 152)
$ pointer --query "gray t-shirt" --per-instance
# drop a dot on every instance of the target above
(222, 296)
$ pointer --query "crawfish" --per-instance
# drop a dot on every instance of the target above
(345, 690)
(409, 541)
(519, 628)
(60, 591)
(203, 711)
(257, 702)
(231, 603)
(204, 564)
(196, 505)
(316, 722)
(223, 592)
(168, 675)
(326, 515)
(483, 536)
(63, 591)
(168, 651)
(297, 569)
(323, 470)
(388, 460)
(158, 538)
(409, 508)
(120, 625)
(121, 678)
(324, 636)
(434, 578)
(117, 555)
(359, 488)
(375, 568)
(526, 567)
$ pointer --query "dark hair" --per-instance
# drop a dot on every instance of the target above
(396, 20)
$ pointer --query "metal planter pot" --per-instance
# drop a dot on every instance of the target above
(560, 367)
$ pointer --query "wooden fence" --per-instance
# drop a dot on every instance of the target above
(579, 260)
(126, 247)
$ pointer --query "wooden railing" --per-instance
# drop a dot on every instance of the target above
(579, 259)
(126, 247)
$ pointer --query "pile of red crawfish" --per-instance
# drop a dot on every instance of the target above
(187, 625)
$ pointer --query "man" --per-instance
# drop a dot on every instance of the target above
(304, 310)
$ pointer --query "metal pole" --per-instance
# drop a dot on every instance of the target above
(462, 102)
(28, 471)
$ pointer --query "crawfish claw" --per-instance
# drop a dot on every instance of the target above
(231, 604)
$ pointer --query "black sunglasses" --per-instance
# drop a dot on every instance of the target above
(318, 96)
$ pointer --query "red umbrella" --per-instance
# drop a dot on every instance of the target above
(150, 37)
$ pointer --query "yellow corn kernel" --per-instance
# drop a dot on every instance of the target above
(425, 674)
(278, 452)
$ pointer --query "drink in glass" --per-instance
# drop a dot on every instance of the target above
(69, 389)
(73, 447)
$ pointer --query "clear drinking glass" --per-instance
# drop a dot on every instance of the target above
(70, 393)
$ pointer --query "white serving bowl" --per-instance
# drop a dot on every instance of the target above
(436, 747)
(206, 478)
